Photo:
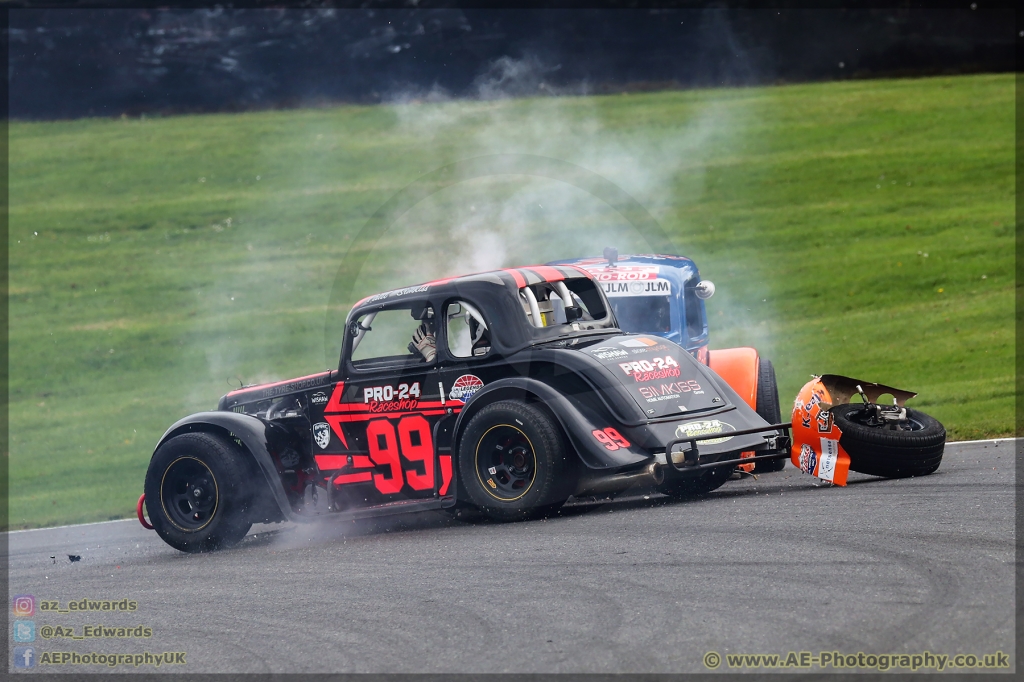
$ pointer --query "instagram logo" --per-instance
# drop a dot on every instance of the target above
(24, 605)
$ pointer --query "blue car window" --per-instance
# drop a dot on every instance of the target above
(640, 314)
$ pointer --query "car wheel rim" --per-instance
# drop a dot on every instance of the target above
(189, 494)
(506, 464)
(861, 417)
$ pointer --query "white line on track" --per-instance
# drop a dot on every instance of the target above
(73, 525)
(98, 523)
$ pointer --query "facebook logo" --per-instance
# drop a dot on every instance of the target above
(24, 657)
(24, 631)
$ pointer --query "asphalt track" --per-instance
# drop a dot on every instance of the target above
(640, 584)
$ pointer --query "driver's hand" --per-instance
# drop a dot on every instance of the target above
(424, 342)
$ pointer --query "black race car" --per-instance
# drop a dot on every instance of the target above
(508, 391)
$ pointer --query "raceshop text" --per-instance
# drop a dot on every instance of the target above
(840, 661)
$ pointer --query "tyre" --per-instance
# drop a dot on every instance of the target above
(512, 462)
(198, 492)
(680, 488)
(767, 407)
(881, 451)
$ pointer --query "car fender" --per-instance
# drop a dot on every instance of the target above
(256, 436)
(577, 421)
(738, 368)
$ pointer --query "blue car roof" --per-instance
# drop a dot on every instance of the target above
(677, 269)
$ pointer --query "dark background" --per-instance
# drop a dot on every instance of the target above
(66, 63)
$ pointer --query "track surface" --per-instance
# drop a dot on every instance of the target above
(635, 585)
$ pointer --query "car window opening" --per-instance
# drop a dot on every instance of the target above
(468, 333)
(553, 304)
(397, 336)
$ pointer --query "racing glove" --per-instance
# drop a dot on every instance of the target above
(423, 341)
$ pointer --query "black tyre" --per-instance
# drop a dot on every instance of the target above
(512, 462)
(198, 492)
(882, 451)
(711, 479)
(767, 407)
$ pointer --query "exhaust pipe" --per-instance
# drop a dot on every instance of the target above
(651, 475)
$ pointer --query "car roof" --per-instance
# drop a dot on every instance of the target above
(496, 294)
(511, 278)
(679, 269)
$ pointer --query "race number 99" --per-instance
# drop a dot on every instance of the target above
(610, 438)
(417, 446)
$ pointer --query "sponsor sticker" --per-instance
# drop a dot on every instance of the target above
(669, 391)
(649, 370)
(650, 349)
(807, 459)
(805, 409)
(319, 398)
(606, 353)
(623, 273)
(398, 292)
(829, 455)
(655, 287)
(464, 387)
(824, 421)
(638, 342)
(708, 427)
(384, 394)
(322, 434)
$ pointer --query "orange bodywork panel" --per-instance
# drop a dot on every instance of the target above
(816, 449)
(738, 367)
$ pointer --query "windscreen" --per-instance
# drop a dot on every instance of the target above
(640, 314)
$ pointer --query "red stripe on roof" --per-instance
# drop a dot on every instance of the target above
(579, 270)
(547, 273)
(517, 276)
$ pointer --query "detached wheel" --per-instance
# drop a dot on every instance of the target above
(887, 451)
(681, 488)
(512, 462)
(767, 407)
(198, 492)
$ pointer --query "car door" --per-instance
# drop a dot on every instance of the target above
(373, 433)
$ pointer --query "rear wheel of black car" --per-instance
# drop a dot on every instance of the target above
(512, 461)
(913, 448)
(692, 486)
(198, 492)
(767, 407)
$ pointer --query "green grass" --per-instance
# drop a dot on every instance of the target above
(149, 265)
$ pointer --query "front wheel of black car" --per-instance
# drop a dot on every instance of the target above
(767, 407)
(198, 492)
(512, 461)
(692, 486)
